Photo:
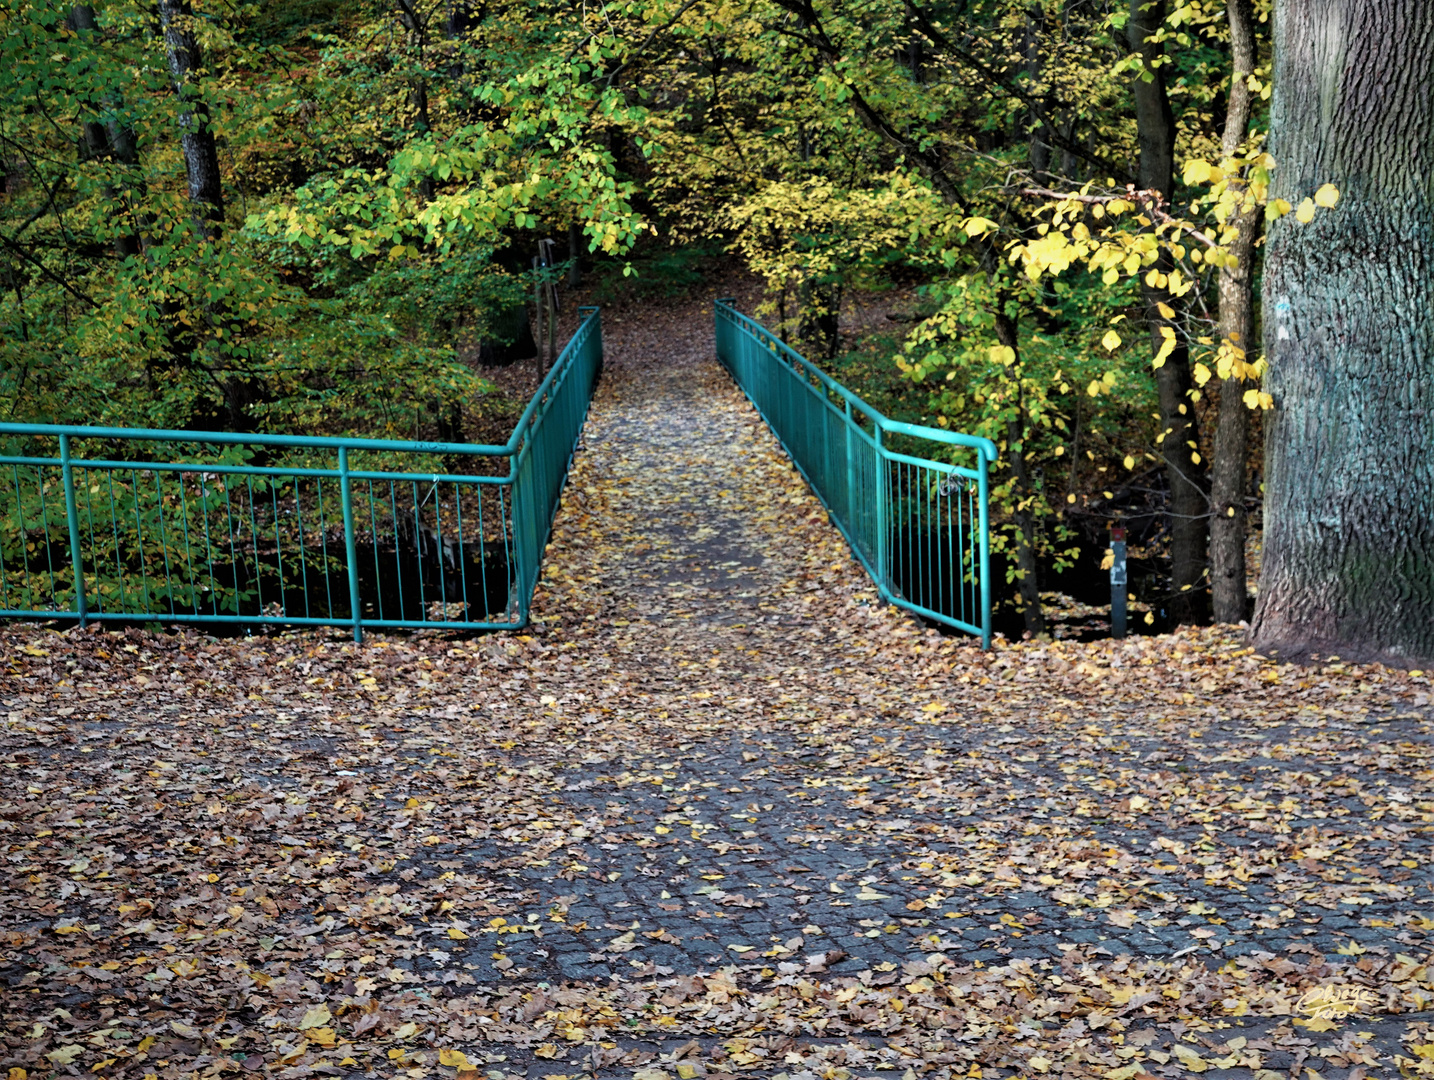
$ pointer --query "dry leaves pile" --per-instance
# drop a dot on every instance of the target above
(720, 813)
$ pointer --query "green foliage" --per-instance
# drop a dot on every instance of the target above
(372, 165)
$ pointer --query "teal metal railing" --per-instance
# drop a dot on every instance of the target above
(210, 527)
(919, 526)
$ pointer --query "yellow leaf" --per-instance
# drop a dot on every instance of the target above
(1166, 348)
(1070, 498)
(547, 1050)
(1197, 171)
(1150, 618)
(1166, 311)
(1040, 1063)
(1326, 196)
(145, 1043)
(66, 1054)
(1111, 341)
(69, 929)
(16, 1074)
(1002, 354)
(1189, 1058)
(1202, 374)
(456, 1059)
(1318, 1023)
(318, 1016)
(1094, 388)
(457, 934)
(1129, 462)
(1277, 208)
(31, 650)
(406, 1031)
(1305, 214)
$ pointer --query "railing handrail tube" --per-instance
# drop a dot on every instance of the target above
(883, 515)
(900, 427)
(258, 583)
(318, 442)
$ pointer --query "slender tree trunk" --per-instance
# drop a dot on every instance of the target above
(575, 251)
(196, 138)
(1189, 506)
(1228, 593)
(1348, 561)
(95, 142)
(1029, 583)
(417, 26)
(1038, 139)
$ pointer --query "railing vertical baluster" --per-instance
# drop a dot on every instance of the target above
(164, 539)
(350, 541)
(883, 541)
(397, 560)
(254, 543)
(303, 554)
(462, 556)
(29, 590)
(324, 547)
(438, 548)
(73, 518)
(418, 551)
(114, 529)
(985, 558)
(94, 548)
(278, 549)
(49, 544)
(139, 540)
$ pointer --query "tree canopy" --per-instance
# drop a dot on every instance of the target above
(289, 218)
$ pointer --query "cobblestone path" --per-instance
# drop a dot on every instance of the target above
(721, 812)
(804, 774)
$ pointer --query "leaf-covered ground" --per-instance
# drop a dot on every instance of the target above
(720, 813)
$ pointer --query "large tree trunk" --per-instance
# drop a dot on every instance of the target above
(1228, 594)
(1349, 332)
(1189, 505)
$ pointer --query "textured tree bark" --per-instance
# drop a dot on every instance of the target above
(1029, 584)
(1228, 594)
(1189, 505)
(1349, 332)
(96, 143)
(201, 154)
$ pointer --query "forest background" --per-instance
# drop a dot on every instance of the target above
(318, 217)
